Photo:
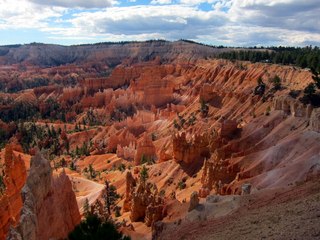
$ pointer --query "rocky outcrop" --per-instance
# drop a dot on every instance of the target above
(146, 204)
(49, 209)
(215, 174)
(11, 202)
(143, 200)
(130, 185)
(194, 201)
(292, 106)
(146, 151)
(191, 150)
(207, 179)
(121, 138)
(209, 95)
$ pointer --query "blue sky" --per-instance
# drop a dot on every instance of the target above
(217, 22)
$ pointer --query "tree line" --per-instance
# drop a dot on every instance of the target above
(305, 57)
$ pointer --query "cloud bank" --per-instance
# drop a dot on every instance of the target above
(226, 22)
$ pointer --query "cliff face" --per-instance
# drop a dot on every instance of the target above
(49, 209)
(11, 202)
(111, 54)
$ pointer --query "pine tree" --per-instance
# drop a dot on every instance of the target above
(144, 174)
(92, 172)
(86, 208)
(110, 196)
(276, 81)
(310, 89)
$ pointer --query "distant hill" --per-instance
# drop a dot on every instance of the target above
(112, 54)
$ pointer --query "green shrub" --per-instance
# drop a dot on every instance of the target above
(182, 185)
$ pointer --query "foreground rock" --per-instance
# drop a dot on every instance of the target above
(50, 209)
(10, 202)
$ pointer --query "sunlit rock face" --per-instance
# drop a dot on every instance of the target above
(49, 205)
(10, 201)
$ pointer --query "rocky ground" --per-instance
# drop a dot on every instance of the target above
(292, 213)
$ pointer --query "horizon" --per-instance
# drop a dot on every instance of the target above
(230, 23)
(159, 40)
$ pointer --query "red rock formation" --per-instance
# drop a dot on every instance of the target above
(122, 138)
(208, 94)
(49, 205)
(146, 204)
(292, 106)
(130, 185)
(145, 149)
(189, 151)
(96, 101)
(11, 202)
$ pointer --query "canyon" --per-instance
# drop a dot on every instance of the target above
(185, 139)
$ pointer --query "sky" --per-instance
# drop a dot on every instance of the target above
(215, 22)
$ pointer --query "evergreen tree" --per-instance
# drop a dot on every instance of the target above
(144, 174)
(276, 81)
(110, 196)
(92, 172)
(94, 228)
(310, 89)
(86, 208)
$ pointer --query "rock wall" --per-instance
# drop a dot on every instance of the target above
(50, 210)
(292, 106)
(11, 202)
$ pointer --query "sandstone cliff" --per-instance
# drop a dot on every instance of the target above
(10, 202)
(49, 209)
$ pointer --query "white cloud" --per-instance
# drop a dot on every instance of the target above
(284, 14)
(173, 20)
(161, 2)
(196, 2)
(26, 15)
(76, 3)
